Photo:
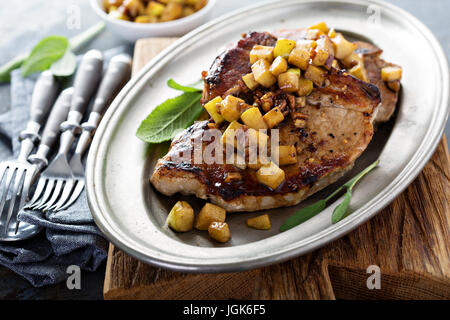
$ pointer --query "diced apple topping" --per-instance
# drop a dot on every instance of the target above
(270, 175)
(261, 222)
(305, 87)
(232, 177)
(231, 108)
(288, 81)
(343, 47)
(209, 214)
(212, 108)
(283, 48)
(229, 135)
(273, 117)
(391, 73)
(299, 57)
(316, 75)
(286, 155)
(262, 74)
(250, 81)
(253, 118)
(181, 217)
(322, 26)
(332, 33)
(394, 85)
(359, 72)
(219, 231)
(261, 52)
(279, 65)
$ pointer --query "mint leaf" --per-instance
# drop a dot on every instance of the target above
(174, 85)
(47, 51)
(173, 114)
(65, 66)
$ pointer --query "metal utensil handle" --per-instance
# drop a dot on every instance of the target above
(44, 95)
(52, 128)
(57, 116)
(86, 80)
(117, 74)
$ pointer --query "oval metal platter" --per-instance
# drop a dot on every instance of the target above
(132, 214)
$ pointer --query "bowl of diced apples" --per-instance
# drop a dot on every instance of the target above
(135, 19)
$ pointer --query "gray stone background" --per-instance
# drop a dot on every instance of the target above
(23, 23)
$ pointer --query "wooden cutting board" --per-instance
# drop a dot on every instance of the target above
(409, 241)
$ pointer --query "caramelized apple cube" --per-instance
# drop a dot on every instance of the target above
(253, 118)
(286, 155)
(322, 26)
(359, 72)
(394, 85)
(154, 8)
(231, 108)
(391, 73)
(172, 11)
(181, 217)
(288, 81)
(316, 75)
(300, 57)
(212, 108)
(283, 48)
(229, 135)
(261, 52)
(279, 65)
(270, 175)
(343, 47)
(250, 81)
(261, 222)
(219, 231)
(209, 214)
(305, 87)
(262, 74)
(332, 33)
(273, 117)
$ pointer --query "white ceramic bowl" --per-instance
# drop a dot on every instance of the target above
(132, 31)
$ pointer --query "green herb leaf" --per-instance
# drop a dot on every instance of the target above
(170, 116)
(75, 43)
(47, 51)
(65, 66)
(341, 210)
(303, 214)
(174, 85)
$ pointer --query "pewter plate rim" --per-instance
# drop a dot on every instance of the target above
(95, 164)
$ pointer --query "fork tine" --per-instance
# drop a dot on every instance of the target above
(47, 194)
(23, 197)
(55, 196)
(37, 194)
(76, 193)
(9, 178)
(16, 191)
(67, 191)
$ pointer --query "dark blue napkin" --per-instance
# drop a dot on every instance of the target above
(70, 237)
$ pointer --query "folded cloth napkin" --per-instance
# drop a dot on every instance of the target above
(71, 236)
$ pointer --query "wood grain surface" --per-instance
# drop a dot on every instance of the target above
(409, 240)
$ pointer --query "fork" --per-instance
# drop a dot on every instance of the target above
(20, 172)
(116, 75)
(58, 172)
(39, 160)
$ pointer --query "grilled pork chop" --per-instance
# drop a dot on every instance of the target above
(338, 129)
